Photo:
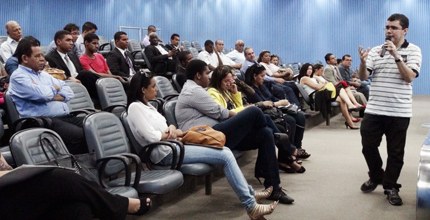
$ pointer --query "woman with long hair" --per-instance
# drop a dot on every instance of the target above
(311, 78)
(223, 90)
(149, 126)
(246, 130)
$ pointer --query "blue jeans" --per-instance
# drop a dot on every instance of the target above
(224, 158)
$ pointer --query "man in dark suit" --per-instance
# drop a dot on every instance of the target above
(160, 59)
(63, 58)
(119, 59)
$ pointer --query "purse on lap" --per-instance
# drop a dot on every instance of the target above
(205, 136)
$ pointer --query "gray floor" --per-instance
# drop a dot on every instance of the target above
(330, 187)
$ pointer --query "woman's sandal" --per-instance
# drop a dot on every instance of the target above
(260, 210)
(263, 194)
(145, 206)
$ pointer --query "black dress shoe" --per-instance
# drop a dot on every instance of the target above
(281, 196)
(369, 186)
(393, 196)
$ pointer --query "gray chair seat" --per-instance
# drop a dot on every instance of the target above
(196, 169)
(128, 192)
(156, 182)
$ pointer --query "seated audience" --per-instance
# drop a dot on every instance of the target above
(184, 57)
(254, 77)
(312, 80)
(160, 59)
(272, 69)
(93, 61)
(245, 130)
(208, 55)
(62, 57)
(63, 194)
(221, 58)
(224, 91)
(274, 59)
(87, 28)
(74, 31)
(237, 55)
(119, 59)
(278, 89)
(148, 126)
(332, 74)
(346, 73)
(174, 43)
(36, 93)
(14, 35)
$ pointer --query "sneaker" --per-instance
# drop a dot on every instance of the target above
(281, 196)
(369, 186)
(393, 196)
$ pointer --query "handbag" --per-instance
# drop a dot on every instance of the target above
(204, 135)
(65, 160)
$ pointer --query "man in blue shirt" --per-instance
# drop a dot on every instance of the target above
(36, 93)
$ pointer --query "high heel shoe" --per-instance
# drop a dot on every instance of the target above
(350, 127)
(264, 194)
(260, 210)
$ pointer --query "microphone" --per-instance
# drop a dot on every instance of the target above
(383, 49)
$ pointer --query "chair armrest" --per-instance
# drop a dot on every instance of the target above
(102, 47)
(82, 111)
(28, 122)
(112, 107)
(138, 167)
(145, 153)
(181, 153)
(102, 162)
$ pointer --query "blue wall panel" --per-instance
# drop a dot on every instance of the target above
(297, 30)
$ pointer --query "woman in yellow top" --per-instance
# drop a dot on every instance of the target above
(223, 90)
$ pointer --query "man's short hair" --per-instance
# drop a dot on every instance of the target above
(218, 41)
(345, 56)
(404, 21)
(25, 47)
(117, 35)
(182, 56)
(194, 67)
(174, 35)
(208, 42)
(246, 49)
(60, 35)
(90, 37)
(327, 57)
(71, 27)
(88, 26)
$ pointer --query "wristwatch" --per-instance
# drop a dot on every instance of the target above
(397, 60)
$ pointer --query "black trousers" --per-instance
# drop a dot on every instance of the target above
(70, 130)
(248, 130)
(60, 194)
(373, 127)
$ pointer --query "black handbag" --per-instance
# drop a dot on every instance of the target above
(81, 165)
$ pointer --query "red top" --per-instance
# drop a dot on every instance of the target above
(98, 63)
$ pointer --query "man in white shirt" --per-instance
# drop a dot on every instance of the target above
(151, 29)
(237, 55)
(208, 55)
(87, 27)
(220, 56)
(14, 32)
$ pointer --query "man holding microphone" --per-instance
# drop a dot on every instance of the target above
(392, 66)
